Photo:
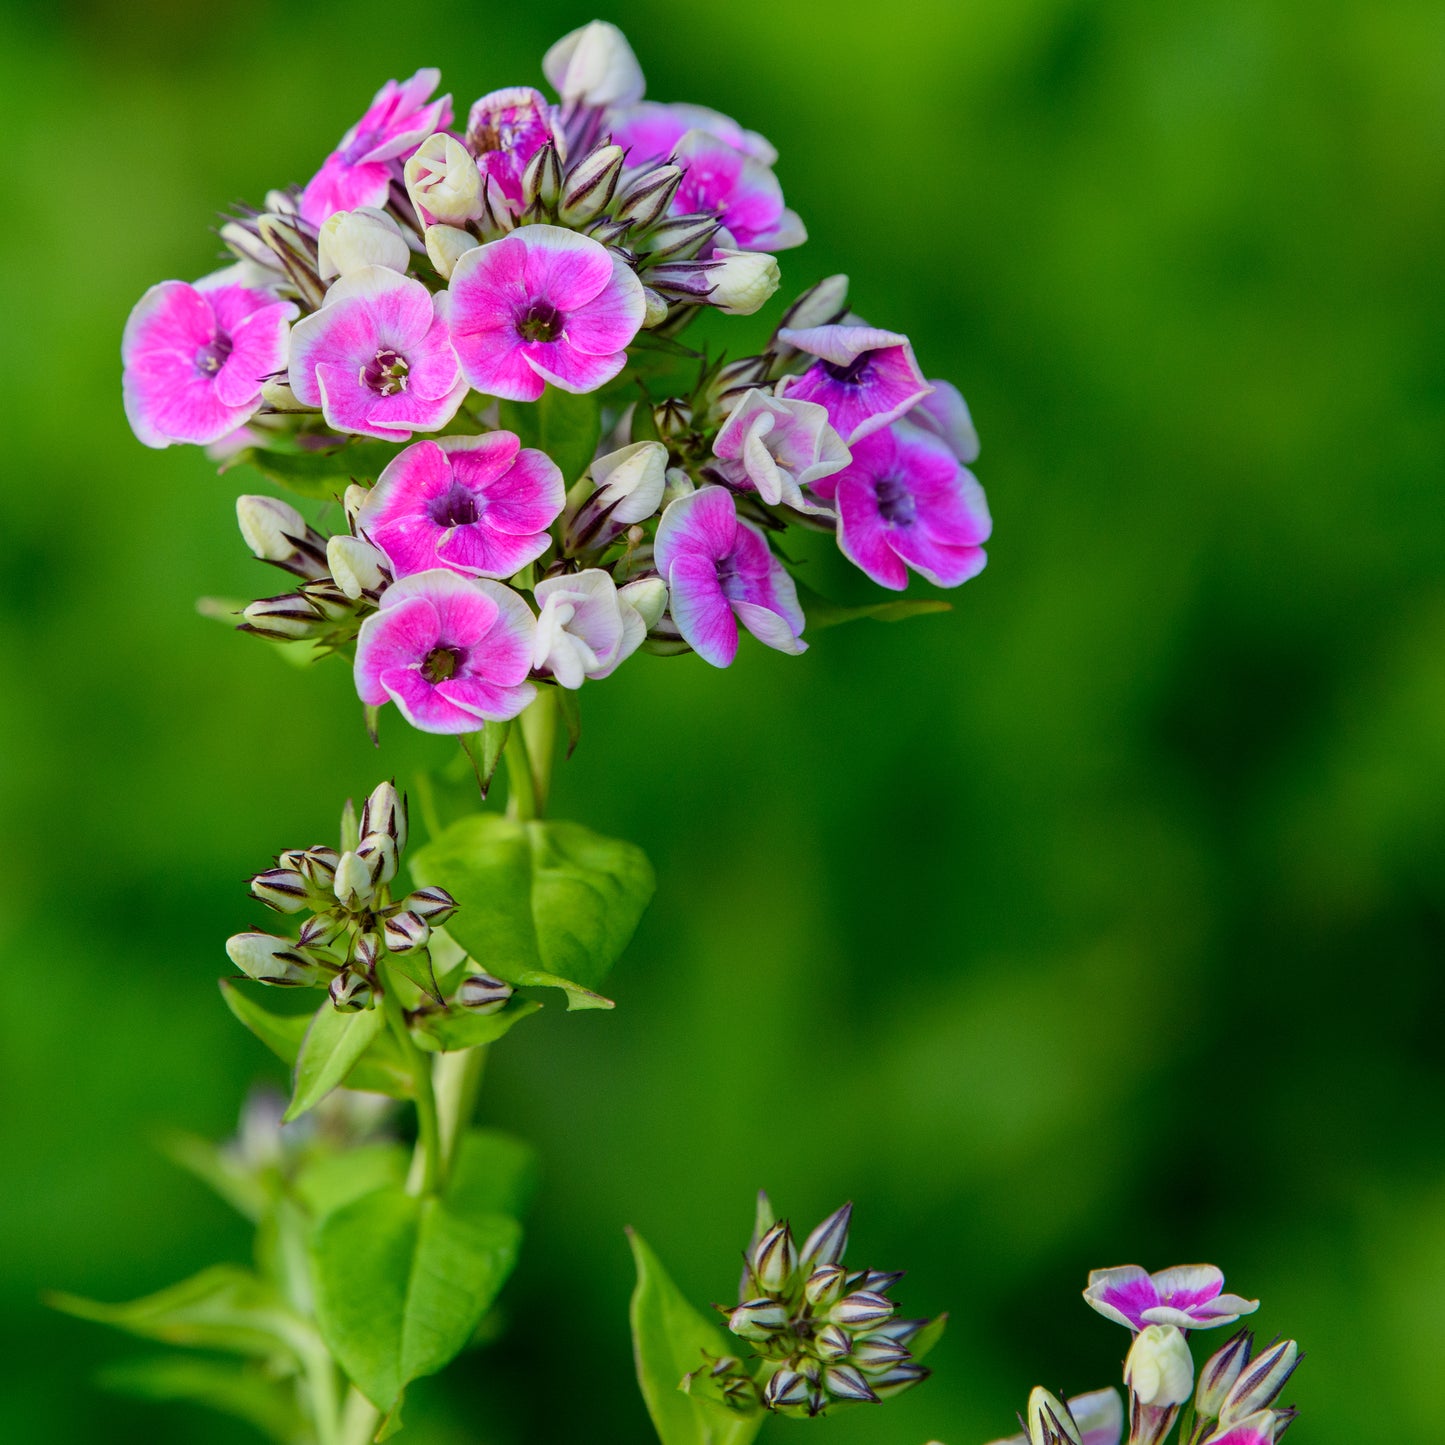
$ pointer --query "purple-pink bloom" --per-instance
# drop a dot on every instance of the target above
(945, 413)
(776, 446)
(505, 130)
(906, 501)
(720, 571)
(543, 305)
(745, 192)
(865, 377)
(195, 357)
(451, 652)
(650, 131)
(1188, 1296)
(360, 170)
(1261, 1428)
(478, 505)
(377, 358)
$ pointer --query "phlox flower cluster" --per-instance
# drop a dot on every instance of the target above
(389, 323)
(1231, 1401)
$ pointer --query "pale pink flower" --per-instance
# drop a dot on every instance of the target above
(451, 652)
(585, 629)
(195, 358)
(359, 172)
(945, 413)
(478, 505)
(744, 191)
(650, 131)
(777, 446)
(865, 377)
(1188, 1296)
(505, 130)
(377, 358)
(543, 305)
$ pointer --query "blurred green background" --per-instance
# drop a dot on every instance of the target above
(1100, 920)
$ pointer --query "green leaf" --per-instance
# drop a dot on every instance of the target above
(821, 613)
(243, 1390)
(323, 475)
(484, 750)
(459, 1028)
(215, 1167)
(547, 904)
(493, 1173)
(564, 426)
(382, 1071)
(402, 1282)
(330, 1182)
(928, 1337)
(670, 1340)
(222, 1308)
(333, 1046)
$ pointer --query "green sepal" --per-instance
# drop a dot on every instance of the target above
(320, 474)
(821, 613)
(484, 751)
(438, 1031)
(332, 1048)
(402, 1283)
(215, 1167)
(244, 1390)
(224, 1307)
(564, 426)
(382, 1071)
(416, 968)
(670, 1340)
(540, 903)
(928, 1337)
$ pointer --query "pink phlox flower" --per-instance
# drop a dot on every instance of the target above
(360, 170)
(650, 131)
(1188, 1296)
(865, 377)
(543, 305)
(505, 130)
(479, 505)
(745, 193)
(906, 501)
(945, 413)
(377, 358)
(777, 446)
(1099, 1416)
(720, 571)
(584, 629)
(195, 357)
(1264, 1427)
(451, 652)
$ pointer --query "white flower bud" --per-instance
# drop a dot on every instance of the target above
(483, 994)
(443, 181)
(1049, 1420)
(1259, 1385)
(366, 236)
(744, 282)
(385, 812)
(594, 65)
(283, 889)
(352, 500)
(353, 885)
(276, 393)
(270, 960)
(446, 245)
(405, 932)
(378, 851)
(679, 484)
(647, 597)
(356, 566)
(657, 308)
(1160, 1369)
(269, 527)
(633, 477)
(818, 305)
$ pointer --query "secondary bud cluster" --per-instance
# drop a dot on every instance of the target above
(826, 1335)
(351, 922)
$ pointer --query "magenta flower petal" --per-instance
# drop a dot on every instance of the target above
(702, 613)
(407, 630)
(542, 304)
(742, 190)
(865, 378)
(505, 130)
(1186, 1296)
(650, 131)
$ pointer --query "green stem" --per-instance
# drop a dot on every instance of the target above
(359, 1420)
(430, 1176)
(539, 727)
(458, 1080)
(522, 792)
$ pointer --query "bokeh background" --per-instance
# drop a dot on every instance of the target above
(1099, 920)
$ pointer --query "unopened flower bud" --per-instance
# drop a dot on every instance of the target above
(646, 199)
(321, 930)
(353, 885)
(818, 305)
(861, 1311)
(356, 566)
(1220, 1372)
(351, 992)
(877, 1353)
(899, 1331)
(775, 1258)
(297, 253)
(446, 245)
(825, 1245)
(833, 1342)
(784, 1389)
(436, 905)
(679, 238)
(590, 185)
(1259, 1385)
(318, 866)
(366, 236)
(743, 281)
(679, 484)
(378, 852)
(328, 600)
(277, 394)
(899, 1378)
(483, 994)
(594, 65)
(876, 1281)
(270, 960)
(647, 596)
(843, 1382)
(352, 501)
(658, 308)
(629, 483)
(824, 1287)
(1049, 1420)
(276, 532)
(283, 889)
(283, 619)
(405, 932)
(443, 181)
(542, 180)
(1160, 1369)
(368, 950)
(758, 1319)
(385, 811)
